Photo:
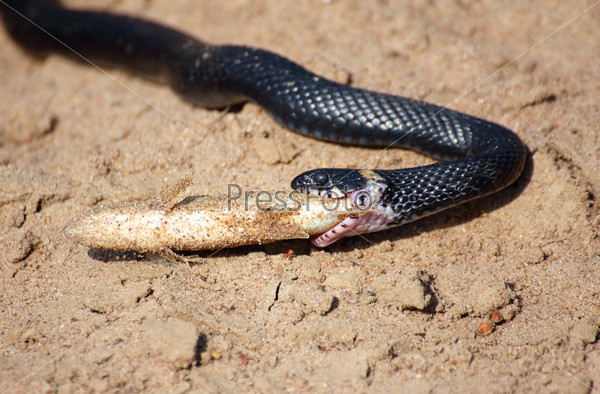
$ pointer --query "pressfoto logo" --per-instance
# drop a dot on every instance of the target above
(294, 200)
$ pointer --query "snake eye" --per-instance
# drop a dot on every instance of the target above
(320, 178)
(362, 199)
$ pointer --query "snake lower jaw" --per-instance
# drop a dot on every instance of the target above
(351, 226)
(372, 217)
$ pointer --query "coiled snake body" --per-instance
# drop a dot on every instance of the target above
(480, 157)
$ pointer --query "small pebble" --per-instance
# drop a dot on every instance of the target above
(496, 317)
(485, 328)
(584, 332)
(174, 341)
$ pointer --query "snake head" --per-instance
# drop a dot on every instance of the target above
(330, 182)
(364, 188)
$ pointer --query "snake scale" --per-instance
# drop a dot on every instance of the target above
(479, 157)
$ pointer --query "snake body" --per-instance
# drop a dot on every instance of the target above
(480, 157)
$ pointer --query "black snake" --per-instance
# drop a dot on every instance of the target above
(480, 157)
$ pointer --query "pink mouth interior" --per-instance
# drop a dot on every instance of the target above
(349, 226)
(336, 232)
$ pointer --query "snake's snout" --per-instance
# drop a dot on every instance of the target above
(311, 181)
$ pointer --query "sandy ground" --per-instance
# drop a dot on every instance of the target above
(397, 310)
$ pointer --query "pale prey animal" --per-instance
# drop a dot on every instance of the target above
(178, 222)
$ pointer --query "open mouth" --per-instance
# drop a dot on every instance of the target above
(354, 224)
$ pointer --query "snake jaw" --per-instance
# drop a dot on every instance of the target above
(364, 191)
(336, 232)
(352, 225)
(367, 200)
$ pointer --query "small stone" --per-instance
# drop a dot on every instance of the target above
(12, 216)
(17, 246)
(406, 290)
(583, 332)
(496, 317)
(477, 293)
(310, 298)
(534, 255)
(293, 315)
(485, 328)
(174, 341)
(510, 311)
(490, 293)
